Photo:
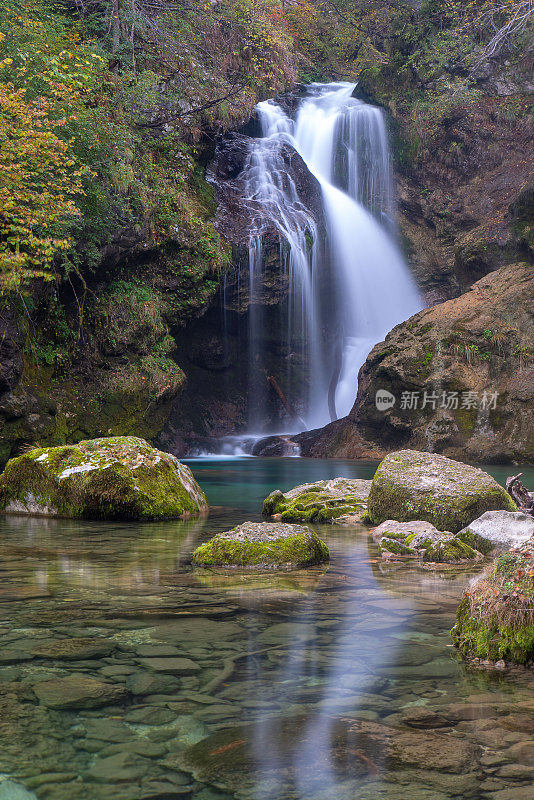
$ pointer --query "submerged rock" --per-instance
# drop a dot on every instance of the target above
(263, 545)
(121, 477)
(78, 691)
(500, 530)
(495, 618)
(324, 501)
(411, 485)
(420, 539)
(74, 649)
(231, 757)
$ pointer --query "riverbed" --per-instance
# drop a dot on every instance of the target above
(333, 683)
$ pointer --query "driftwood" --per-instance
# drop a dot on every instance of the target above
(523, 499)
(290, 410)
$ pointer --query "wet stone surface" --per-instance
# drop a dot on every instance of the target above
(125, 675)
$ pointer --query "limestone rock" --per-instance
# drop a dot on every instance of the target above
(411, 485)
(263, 545)
(324, 501)
(500, 530)
(78, 691)
(420, 539)
(121, 477)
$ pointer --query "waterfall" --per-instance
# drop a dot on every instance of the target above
(346, 293)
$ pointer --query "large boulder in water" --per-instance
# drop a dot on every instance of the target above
(410, 485)
(263, 545)
(121, 478)
(324, 501)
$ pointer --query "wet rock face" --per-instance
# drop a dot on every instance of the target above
(121, 477)
(409, 485)
(237, 213)
(422, 540)
(459, 189)
(324, 501)
(461, 375)
(263, 545)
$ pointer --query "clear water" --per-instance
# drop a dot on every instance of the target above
(332, 683)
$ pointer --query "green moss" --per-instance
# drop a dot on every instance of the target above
(113, 478)
(294, 550)
(487, 638)
(475, 541)
(495, 620)
(317, 502)
(394, 546)
(461, 493)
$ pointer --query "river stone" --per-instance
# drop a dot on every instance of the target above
(500, 530)
(9, 790)
(412, 485)
(359, 747)
(78, 691)
(73, 649)
(420, 539)
(175, 666)
(324, 501)
(118, 478)
(144, 683)
(263, 545)
(120, 767)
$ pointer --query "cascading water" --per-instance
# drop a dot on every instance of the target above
(343, 143)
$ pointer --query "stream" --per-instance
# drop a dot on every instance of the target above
(331, 683)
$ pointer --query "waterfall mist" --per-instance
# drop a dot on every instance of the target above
(347, 285)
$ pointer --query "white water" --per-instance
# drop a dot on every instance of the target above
(344, 144)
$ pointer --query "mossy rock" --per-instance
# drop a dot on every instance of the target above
(420, 539)
(321, 502)
(263, 545)
(412, 485)
(495, 619)
(116, 478)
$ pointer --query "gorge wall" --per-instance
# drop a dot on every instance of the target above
(128, 336)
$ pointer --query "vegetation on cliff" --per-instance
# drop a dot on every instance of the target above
(108, 116)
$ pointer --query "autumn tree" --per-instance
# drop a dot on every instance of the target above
(38, 181)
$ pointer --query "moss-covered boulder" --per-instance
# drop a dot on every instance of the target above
(421, 540)
(263, 545)
(121, 478)
(324, 501)
(411, 485)
(495, 618)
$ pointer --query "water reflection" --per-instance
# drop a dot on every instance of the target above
(328, 684)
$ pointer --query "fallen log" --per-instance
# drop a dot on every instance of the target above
(290, 410)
